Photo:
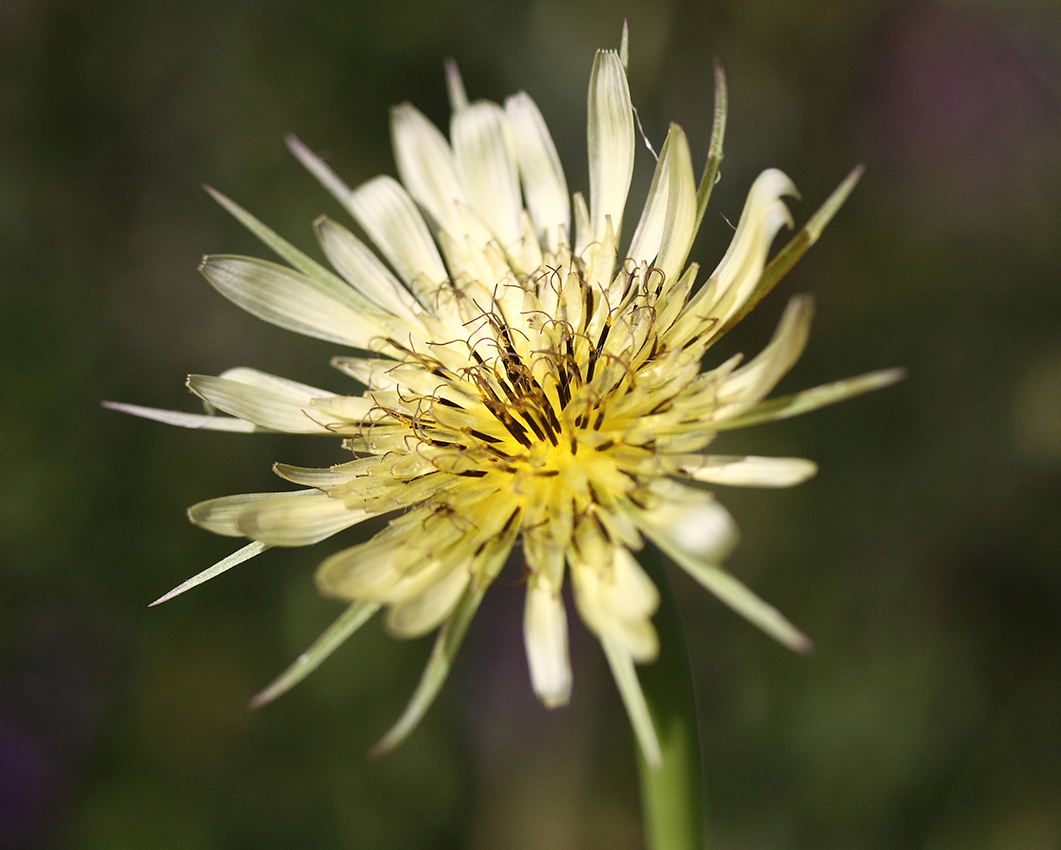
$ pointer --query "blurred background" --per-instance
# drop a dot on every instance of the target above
(923, 559)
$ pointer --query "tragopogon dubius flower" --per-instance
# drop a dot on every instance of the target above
(528, 384)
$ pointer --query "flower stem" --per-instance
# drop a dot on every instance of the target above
(672, 795)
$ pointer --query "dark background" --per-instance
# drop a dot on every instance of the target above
(923, 559)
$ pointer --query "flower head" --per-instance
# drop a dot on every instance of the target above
(533, 383)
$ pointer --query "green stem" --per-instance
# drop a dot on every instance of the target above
(672, 795)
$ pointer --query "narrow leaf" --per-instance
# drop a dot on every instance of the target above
(353, 618)
(225, 564)
(204, 421)
(741, 599)
(434, 676)
(307, 265)
(780, 265)
(634, 700)
(714, 151)
(796, 404)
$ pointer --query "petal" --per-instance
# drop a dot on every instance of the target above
(291, 300)
(426, 165)
(667, 226)
(341, 410)
(486, 162)
(286, 411)
(425, 611)
(689, 521)
(220, 515)
(616, 600)
(680, 227)
(750, 471)
(798, 245)
(297, 520)
(753, 381)
(611, 142)
(355, 262)
(545, 636)
(583, 229)
(279, 519)
(764, 214)
(544, 184)
(390, 218)
(320, 479)
(644, 245)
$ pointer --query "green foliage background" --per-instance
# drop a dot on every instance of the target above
(923, 559)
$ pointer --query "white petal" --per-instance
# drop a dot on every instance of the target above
(426, 610)
(753, 381)
(295, 391)
(291, 300)
(583, 228)
(221, 515)
(665, 231)
(616, 600)
(751, 471)
(390, 218)
(344, 408)
(279, 411)
(689, 521)
(297, 520)
(680, 227)
(355, 262)
(365, 571)
(545, 636)
(319, 479)
(426, 165)
(486, 162)
(279, 519)
(764, 214)
(611, 142)
(644, 245)
(544, 185)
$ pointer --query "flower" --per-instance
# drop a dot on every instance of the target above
(527, 383)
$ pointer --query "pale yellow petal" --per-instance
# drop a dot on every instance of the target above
(611, 142)
(545, 636)
(544, 184)
(750, 471)
(486, 162)
(426, 165)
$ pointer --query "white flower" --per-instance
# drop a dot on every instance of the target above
(527, 384)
